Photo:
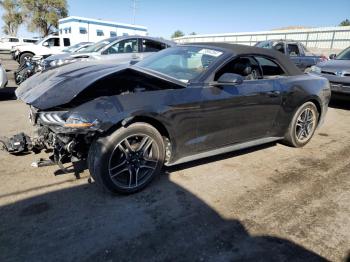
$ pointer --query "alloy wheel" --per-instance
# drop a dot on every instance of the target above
(305, 125)
(133, 161)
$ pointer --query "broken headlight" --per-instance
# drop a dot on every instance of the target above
(52, 118)
(64, 119)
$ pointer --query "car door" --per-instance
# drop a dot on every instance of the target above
(237, 113)
(123, 50)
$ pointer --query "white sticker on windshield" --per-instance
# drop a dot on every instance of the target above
(210, 52)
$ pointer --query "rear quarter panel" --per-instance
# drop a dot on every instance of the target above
(297, 90)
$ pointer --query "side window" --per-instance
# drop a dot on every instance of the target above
(53, 42)
(293, 50)
(99, 32)
(14, 40)
(82, 30)
(112, 34)
(247, 67)
(152, 46)
(124, 46)
(66, 41)
(280, 47)
(29, 40)
(269, 67)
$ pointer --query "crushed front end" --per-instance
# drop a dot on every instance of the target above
(64, 135)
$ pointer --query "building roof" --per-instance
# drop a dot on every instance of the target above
(101, 22)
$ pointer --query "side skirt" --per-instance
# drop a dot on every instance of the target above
(225, 149)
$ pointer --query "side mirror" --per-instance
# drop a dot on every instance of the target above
(332, 56)
(230, 79)
(46, 44)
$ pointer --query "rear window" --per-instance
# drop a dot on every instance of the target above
(29, 41)
(269, 67)
(152, 46)
(66, 41)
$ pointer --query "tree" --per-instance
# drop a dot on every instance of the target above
(177, 33)
(43, 15)
(193, 33)
(12, 16)
(346, 22)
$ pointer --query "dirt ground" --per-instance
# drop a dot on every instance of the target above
(270, 203)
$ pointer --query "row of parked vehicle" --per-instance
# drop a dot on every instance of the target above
(336, 68)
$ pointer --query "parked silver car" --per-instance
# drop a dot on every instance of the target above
(123, 49)
(337, 71)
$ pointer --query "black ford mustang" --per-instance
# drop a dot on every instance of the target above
(181, 104)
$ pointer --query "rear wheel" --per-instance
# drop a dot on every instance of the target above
(127, 160)
(303, 125)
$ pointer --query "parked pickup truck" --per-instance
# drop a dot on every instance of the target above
(50, 45)
(6, 43)
(297, 52)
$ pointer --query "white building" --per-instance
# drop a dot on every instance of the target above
(81, 29)
(323, 37)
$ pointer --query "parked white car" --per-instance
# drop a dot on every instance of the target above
(6, 43)
(3, 77)
(50, 45)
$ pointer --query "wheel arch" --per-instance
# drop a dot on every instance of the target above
(157, 124)
(24, 52)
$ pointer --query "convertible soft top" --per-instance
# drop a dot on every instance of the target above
(236, 50)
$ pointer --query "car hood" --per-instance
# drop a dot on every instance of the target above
(335, 65)
(60, 85)
(58, 57)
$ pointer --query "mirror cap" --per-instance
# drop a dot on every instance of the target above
(230, 78)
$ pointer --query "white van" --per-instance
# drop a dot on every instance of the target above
(6, 43)
(50, 45)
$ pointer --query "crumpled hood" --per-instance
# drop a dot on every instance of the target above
(335, 65)
(60, 85)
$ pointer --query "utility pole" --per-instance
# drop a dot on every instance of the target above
(134, 10)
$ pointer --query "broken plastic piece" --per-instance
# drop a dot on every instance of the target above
(16, 144)
(43, 162)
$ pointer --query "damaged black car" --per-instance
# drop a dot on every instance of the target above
(181, 104)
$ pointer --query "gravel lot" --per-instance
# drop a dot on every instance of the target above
(270, 203)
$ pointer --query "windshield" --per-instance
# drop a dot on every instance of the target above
(97, 46)
(183, 63)
(344, 55)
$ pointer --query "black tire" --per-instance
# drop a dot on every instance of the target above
(102, 153)
(294, 129)
(23, 56)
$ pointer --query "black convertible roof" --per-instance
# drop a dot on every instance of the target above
(235, 49)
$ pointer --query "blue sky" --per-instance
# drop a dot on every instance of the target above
(163, 17)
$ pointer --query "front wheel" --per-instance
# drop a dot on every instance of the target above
(127, 160)
(24, 57)
(303, 125)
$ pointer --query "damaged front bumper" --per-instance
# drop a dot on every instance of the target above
(67, 139)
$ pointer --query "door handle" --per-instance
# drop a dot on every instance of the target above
(273, 93)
